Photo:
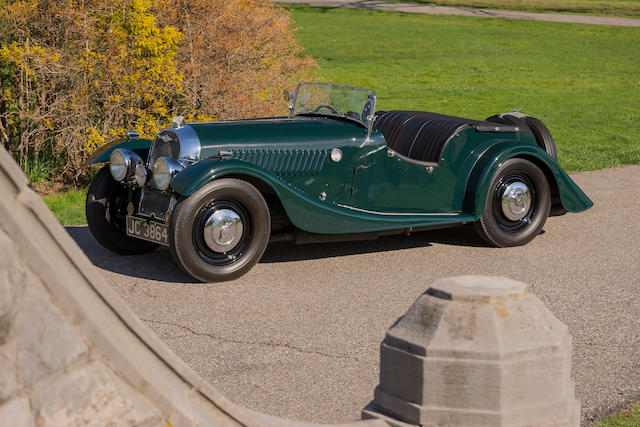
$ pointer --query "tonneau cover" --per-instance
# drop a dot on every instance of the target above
(422, 136)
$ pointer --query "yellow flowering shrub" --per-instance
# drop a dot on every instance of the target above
(76, 75)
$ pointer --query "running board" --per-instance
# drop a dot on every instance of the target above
(301, 237)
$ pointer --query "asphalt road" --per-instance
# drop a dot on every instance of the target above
(299, 335)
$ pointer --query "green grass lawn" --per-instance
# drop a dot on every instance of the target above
(582, 81)
(68, 207)
(628, 8)
(629, 418)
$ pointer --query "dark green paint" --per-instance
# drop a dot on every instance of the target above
(572, 197)
(295, 151)
(386, 183)
(367, 190)
(307, 213)
(137, 145)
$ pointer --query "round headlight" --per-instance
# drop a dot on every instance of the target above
(140, 175)
(163, 171)
(120, 164)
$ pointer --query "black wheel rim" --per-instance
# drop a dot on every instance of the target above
(503, 222)
(204, 251)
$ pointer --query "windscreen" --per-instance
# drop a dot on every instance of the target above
(334, 100)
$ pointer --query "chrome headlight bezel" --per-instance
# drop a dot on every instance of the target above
(118, 165)
(164, 170)
(125, 164)
(140, 174)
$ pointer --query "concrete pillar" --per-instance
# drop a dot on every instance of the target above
(476, 351)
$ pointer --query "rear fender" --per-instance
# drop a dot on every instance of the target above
(572, 198)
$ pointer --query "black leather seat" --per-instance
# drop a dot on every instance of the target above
(422, 136)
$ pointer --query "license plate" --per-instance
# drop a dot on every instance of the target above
(147, 230)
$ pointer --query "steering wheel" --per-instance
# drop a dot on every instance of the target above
(328, 107)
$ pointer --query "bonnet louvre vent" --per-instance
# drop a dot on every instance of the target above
(284, 161)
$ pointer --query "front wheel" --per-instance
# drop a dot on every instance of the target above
(106, 210)
(517, 205)
(221, 231)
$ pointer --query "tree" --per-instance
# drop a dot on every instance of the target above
(238, 57)
(75, 74)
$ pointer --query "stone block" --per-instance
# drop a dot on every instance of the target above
(477, 351)
(11, 275)
(16, 412)
(8, 370)
(91, 394)
(11, 283)
(46, 340)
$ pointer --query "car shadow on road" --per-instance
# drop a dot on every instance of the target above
(458, 236)
(159, 265)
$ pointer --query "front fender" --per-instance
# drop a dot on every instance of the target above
(304, 212)
(137, 145)
(192, 178)
(573, 199)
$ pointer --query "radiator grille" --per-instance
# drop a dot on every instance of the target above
(284, 161)
(166, 144)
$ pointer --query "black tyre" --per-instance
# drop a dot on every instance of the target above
(106, 207)
(221, 231)
(539, 130)
(517, 205)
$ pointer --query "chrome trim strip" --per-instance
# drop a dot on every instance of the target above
(410, 160)
(258, 119)
(189, 143)
(140, 201)
(400, 213)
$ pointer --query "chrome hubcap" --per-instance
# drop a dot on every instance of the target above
(223, 230)
(516, 201)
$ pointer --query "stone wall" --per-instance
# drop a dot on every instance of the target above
(71, 352)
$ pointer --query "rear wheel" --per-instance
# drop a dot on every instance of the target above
(106, 207)
(221, 231)
(517, 205)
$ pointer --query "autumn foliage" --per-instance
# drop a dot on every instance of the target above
(77, 74)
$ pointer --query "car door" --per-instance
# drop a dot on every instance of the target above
(387, 183)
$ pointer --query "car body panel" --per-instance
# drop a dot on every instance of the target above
(573, 199)
(140, 146)
(368, 190)
(296, 151)
(277, 132)
(371, 188)
(306, 212)
(385, 181)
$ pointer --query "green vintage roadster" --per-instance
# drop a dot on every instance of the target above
(334, 169)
